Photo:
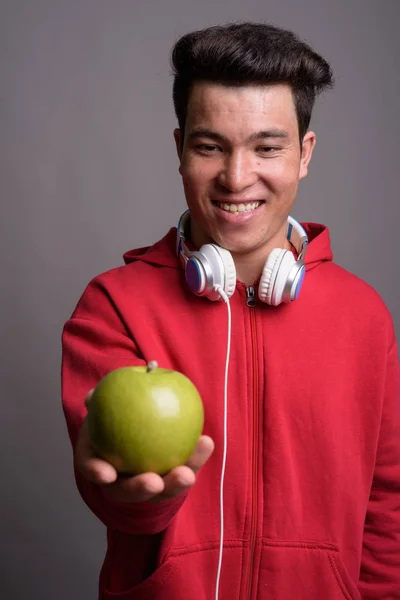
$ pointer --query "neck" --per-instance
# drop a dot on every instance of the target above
(250, 267)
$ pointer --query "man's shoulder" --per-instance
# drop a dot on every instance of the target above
(144, 268)
(350, 294)
(349, 281)
(142, 260)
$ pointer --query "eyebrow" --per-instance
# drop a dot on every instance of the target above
(218, 137)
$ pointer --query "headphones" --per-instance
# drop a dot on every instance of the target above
(213, 266)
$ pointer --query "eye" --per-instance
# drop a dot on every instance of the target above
(208, 148)
(267, 149)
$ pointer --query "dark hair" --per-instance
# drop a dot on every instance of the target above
(249, 53)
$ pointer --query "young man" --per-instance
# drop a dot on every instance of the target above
(312, 481)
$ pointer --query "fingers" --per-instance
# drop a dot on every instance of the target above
(202, 453)
(143, 487)
(88, 464)
(176, 482)
(123, 489)
(154, 488)
(180, 479)
(138, 488)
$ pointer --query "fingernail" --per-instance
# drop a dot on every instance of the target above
(151, 489)
(184, 482)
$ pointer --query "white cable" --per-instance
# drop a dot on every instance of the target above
(228, 350)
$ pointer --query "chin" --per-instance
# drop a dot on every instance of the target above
(237, 246)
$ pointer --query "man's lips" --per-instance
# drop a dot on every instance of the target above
(238, 207)
(237, 201)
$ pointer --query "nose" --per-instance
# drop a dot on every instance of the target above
(237, 172)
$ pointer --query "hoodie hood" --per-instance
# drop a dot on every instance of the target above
(163, 252)
(319, 245)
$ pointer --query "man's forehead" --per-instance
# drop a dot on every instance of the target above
(213, 87)
(208, 101)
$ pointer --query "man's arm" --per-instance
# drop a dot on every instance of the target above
(94, 343)
(380, 568)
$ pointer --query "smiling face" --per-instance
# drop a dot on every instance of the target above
(240, 163)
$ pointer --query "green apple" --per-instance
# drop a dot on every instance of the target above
(145, 419)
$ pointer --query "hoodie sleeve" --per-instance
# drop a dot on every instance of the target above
(94, 342)
(380, 567)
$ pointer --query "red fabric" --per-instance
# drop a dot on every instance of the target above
(312, 486)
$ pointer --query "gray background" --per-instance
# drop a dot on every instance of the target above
(88, 170)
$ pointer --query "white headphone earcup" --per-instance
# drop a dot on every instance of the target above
(223, 270)
(230, 270)
(275, 276)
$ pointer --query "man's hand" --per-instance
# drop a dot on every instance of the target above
(138, 488)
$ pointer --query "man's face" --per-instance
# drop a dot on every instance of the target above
(240, 164)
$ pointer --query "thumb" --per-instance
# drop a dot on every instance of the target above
(88, 397)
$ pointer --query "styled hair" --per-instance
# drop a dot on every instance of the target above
(240, 54)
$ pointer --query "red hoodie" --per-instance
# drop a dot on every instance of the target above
(312, 483)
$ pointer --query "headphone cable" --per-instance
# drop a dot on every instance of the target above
(225, 448)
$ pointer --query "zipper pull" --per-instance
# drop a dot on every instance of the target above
(251, 296)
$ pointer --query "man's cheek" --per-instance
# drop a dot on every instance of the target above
(195, 178)
(190, 187)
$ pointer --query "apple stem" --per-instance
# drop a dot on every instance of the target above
(153, 364)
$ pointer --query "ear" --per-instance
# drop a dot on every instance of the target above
(307, 149)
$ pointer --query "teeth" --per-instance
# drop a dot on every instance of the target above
(239, 208)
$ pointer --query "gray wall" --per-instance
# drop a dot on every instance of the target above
(88, 170)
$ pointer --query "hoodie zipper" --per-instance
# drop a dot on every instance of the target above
(251, 296)
(251, 303)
